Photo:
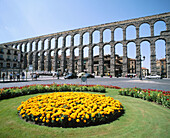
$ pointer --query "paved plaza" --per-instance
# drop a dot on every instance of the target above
(160, 84)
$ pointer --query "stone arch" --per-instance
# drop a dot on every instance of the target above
(33, 45)
(85, 50)
(160, 45)
(118, 58)
(160, 48)
(130, 32)
(68, 40)
(131, 55)
(51, 60)
(40, 45)
(159, 26)
(95, 60)
(67, 53)
(60, 41)
(76, 39)
(36, 61)
(23, 47)
(143, 52)
(106, 35)
(52, 43)
(46, 44)
(85, 38)
(59, 52)
(144, 30)
(95, 36)
(107, 56)
(131, 49)
(25, 59)
(118, 34)
(76, 58)
(30, 58)
(28, 46)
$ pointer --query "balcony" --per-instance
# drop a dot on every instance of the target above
(15, 53)
(8, 59)
(15, 60)
(1, 52)
(8, 53)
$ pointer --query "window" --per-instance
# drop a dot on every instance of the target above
(1, 65)
(8, 52)
(8, 65)
(14, 65)
(1, 57)
(1, 50)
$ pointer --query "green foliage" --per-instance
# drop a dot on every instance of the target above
(152, 96)
(19, 91)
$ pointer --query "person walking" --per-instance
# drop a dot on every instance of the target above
(10, 76)
(3, 76)
(23, 75)
(14, 76)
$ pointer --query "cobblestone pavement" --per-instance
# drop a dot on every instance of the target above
(160, 84)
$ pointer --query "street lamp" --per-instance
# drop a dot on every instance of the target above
(140, 61)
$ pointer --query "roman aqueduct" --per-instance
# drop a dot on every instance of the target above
(33, 49)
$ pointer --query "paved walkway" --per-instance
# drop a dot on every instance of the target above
(160, 84)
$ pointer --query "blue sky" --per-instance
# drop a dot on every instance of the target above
(20, 19)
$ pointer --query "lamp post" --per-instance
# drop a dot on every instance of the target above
(140, 61)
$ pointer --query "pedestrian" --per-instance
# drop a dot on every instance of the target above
(14, 76)
(23, 75)
(57, 74)
(3, 76)
(18, 77)
(10, 76)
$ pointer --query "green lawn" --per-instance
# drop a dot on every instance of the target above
(141, 119)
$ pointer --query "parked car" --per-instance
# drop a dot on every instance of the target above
(131, 75)
(87, 75)
(71, 76)
(81, 74)
(153, 77)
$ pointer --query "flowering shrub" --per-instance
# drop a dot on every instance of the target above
(159, 96)
(32, 89)
(70, 109)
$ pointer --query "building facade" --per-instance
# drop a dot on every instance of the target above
(145, 72)
(33, 48)
(10, 60)
(161, 67)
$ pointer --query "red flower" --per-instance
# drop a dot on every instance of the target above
(167, 99)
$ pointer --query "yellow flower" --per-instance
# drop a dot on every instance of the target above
(62, 117)
(84, 121)
(47, 121)
(36, 119)
(77, 120)
(48, 116)
(69, 119)
(57, 119)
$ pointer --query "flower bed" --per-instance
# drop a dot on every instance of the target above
(158, 96)
(70, 109)
(32, 89)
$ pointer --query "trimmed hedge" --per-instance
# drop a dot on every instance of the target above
(158, 96)
(33, 89)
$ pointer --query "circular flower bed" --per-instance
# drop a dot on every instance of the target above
(70, 109)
